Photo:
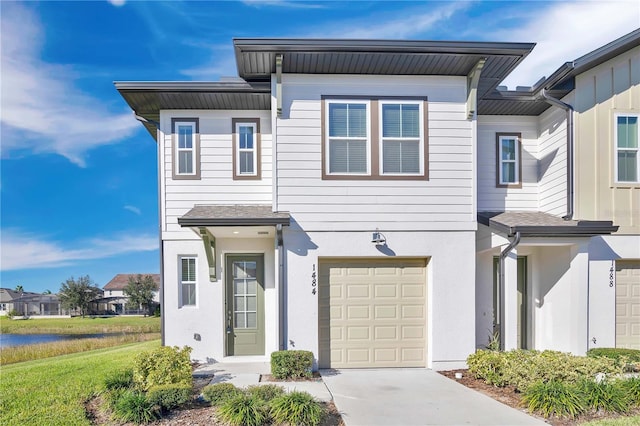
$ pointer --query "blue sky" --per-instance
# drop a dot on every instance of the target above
(78, 188)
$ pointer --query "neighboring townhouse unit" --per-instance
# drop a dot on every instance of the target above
(329, 199)
(570, 284)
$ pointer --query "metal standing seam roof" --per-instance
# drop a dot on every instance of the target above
(540, 224)
(233, 215)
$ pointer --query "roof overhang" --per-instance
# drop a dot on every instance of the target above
(233, 215)
(256, 58)
(146, 99)
(540, 224)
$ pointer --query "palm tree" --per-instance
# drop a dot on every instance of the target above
(46, 291)
(19, 289)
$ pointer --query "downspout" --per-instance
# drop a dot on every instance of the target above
(281, 317)
(502, 285)
(161, 245)
(570, 148)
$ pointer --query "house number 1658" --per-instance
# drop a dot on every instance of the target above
(314, 281)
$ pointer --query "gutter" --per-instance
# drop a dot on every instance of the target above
(570, 149)
(502, 285)
(281, 317)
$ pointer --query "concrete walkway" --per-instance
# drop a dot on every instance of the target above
(248, 374)
(414, 397)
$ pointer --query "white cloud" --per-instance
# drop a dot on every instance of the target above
(223, 63)
(133, 209)
(117, 3)
(22, 250)
(564, 32)
(42, 110)
(292, 4)
(398, 26)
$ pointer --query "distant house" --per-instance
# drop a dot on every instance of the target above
(29, 303)
(114, 298)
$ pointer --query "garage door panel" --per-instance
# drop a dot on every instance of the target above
(377, 313)
(628, 304)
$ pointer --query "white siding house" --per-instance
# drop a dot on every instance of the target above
(353, 197)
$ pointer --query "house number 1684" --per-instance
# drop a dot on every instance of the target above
(314, 280)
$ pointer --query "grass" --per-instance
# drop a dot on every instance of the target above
(619, 421)
(52, 391)
(118, 324)
(23, 353)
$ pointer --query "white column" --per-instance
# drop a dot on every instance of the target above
(510, 301)
(579, 319)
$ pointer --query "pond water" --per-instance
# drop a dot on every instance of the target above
(7, 340)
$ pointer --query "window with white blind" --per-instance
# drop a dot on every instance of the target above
(348, 137)
(508, 160)
(402, 139)
(627, 145)
(246, 148)
(188, 281)
(186, 148)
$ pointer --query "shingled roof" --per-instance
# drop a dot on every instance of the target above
(120, 281)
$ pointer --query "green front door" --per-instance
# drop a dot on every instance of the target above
(245, 305)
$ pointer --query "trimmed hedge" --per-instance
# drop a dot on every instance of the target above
(291, 364)
(170, 396)
(630, 358)
(522, 368)
(219, 393)
(162, 366)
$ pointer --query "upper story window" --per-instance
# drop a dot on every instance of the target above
(508, 161)
(402, 138)
(348, 129)
(246, 148)
(374, 138)
(627, 147)
(186, 148)
(187, 281)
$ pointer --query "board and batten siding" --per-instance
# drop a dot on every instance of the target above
(443, 202)
(490, 197)
(216, 185)
(601, 92)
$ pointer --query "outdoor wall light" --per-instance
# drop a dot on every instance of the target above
(378, 238)
(196, 337)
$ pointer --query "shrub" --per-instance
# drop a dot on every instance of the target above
(489, 366)
(162, 366)
(266, 392)
(522, 368)
(170, 396)
(243, 410)
(219, 393)
(297, 408)
(554, 397)
(629, 358)
(605, 395)
(632, 388)
(133, 406)
(291, 364)
(120, 379)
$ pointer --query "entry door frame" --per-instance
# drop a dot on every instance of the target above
(230, 331)
(524, 308)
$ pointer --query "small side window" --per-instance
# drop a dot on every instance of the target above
(246, 149)
(188, 281)
(508, 161)
(186, 148)
(627, 145)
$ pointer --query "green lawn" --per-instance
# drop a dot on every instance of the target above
(620, 421)
(52, 391)
(117, 324)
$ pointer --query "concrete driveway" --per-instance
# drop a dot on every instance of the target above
(370, 397)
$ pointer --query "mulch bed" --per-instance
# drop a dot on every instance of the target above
(509, 396)
(315, 377)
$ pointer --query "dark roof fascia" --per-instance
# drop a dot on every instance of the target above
(376, 45)
(194, 221)
(192, 86)
(582, 229)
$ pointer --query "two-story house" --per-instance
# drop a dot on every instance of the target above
(329, 199)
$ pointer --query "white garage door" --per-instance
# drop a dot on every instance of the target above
(628, 304)
(372, 313)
